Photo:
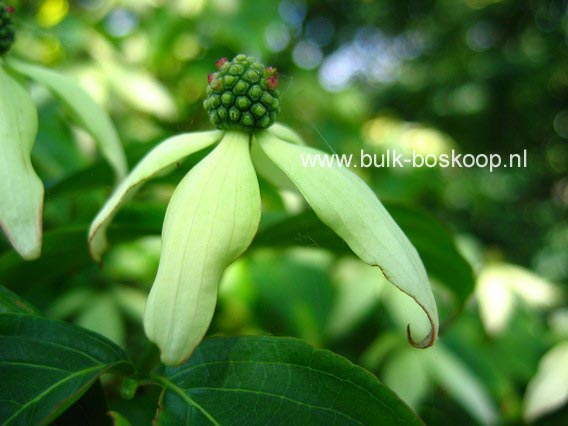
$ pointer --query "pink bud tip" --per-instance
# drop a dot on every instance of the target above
(272, 82)
(10, 9)
(220, 62)
(270, 71)
(209, 78)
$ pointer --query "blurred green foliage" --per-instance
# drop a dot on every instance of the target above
(478, 76)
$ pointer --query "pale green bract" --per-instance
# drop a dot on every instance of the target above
(211, 220)
(214, 213)
(21, 190)
(21, 198)
(348, 206)
(161, 157)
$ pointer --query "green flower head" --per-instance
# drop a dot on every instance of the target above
(214, 212)
(7, 30)
(242, 95)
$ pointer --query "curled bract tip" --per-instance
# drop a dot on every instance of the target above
(424, 343)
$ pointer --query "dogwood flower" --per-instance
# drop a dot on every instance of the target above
(21, 190)
(215, 210)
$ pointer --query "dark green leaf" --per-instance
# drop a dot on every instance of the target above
(62, 250)
(12, 303)
(274, 380)
(93, 403)
(100, 174)
(65, 250)
(304, 283)
(50, 364)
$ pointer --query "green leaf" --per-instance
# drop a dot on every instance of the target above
(88, 113)
(274, 380)
(50, 364)
(12, 303)
(69, 244)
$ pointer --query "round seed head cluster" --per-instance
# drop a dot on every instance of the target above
(242, 95)
(7, 30)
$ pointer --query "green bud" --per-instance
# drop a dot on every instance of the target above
(128, 388)
(227, 98)
(243, 103)
(242, 95)
(258, 110)
(241, 87)
(256, 92)
(234, 114)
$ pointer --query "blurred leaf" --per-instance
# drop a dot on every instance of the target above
(132, 301)
(304, 229)
(433, 242)
(294, 295)
(56, 151)
(12, 303)
(375, 354)
(58, 361)
(96, 175)
(140, 90)
(102, 315)
(359, 287)
(63, 250)
(70, 244)
(548, 389)
(407, 376)
(90, 115)
(118, 419)
(463, 386)
(71, 302)
(136, 86)
(280, 380)
(500, 285)
(438, 250)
